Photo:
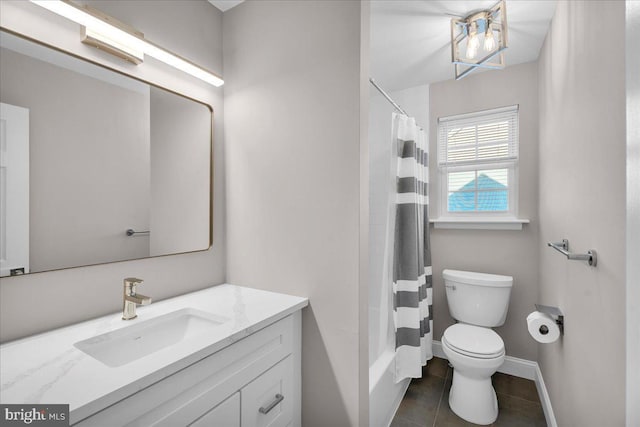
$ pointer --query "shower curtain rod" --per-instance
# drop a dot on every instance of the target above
(373, 82)
(397, 107)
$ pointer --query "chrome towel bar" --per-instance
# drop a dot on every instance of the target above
(563, 247)
(131, 232)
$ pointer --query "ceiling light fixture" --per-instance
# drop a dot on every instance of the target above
(491, 25)
(106, 33)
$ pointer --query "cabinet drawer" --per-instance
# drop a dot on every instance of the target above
(268, 400)
(226, 414)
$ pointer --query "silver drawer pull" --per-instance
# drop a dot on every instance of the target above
(269, 407)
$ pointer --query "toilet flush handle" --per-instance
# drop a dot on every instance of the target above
(452, 287)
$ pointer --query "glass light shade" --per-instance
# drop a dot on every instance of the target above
(489, 40)
(473, 43)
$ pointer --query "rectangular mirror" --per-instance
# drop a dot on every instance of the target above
(96, 166)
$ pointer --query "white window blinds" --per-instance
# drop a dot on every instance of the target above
(489, 136)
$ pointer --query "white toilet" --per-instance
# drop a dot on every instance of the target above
(478, 302)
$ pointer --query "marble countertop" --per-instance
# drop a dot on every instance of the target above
(48, 369)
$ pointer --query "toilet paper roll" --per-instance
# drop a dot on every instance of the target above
(542, 327)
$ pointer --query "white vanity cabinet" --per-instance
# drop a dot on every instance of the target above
(225, 414)
(252, 382)
(264, 399)
(263, 402)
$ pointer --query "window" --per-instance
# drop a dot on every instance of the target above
(477, 164)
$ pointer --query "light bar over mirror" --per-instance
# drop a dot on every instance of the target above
(111, 35)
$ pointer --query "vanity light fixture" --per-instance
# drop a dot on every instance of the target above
(489, 25)
(112, 43)
(103, 31)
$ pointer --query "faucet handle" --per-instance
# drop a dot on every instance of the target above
(130, 285)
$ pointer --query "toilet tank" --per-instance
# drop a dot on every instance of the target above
(477, 298)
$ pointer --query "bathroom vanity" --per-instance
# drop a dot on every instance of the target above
(224, 356)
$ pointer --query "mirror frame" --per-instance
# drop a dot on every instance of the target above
(122, 73)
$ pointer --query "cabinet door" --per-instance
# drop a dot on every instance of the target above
(268, 400)
(226, 414)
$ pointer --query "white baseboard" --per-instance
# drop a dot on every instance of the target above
(512, 365)
(544, 399)
(437, 350)
(522, 368)
(519, 368)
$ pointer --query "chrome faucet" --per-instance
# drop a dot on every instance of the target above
(131, 299)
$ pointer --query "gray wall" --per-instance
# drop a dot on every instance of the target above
(74, 157)
(42, 301)
(633, 212)
(292, 131)
(513, 253)
(582, 198)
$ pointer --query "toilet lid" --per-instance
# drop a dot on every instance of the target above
(474, 341)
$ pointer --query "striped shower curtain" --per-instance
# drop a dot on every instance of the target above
(412, 290)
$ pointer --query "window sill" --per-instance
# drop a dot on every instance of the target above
(479, 223)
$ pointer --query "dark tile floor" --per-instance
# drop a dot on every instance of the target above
(426, 403)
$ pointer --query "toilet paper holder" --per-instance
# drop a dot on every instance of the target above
(555, 314)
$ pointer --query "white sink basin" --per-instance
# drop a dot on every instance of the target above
(131, 343)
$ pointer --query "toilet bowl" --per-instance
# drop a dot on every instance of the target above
(475, 353)
(478, 302)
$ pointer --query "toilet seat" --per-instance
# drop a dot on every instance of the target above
(474, 341)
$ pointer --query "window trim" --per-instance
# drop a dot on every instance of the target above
(500, 220)
(479, 223)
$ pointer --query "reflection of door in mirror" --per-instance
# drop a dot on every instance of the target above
(14, 190)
